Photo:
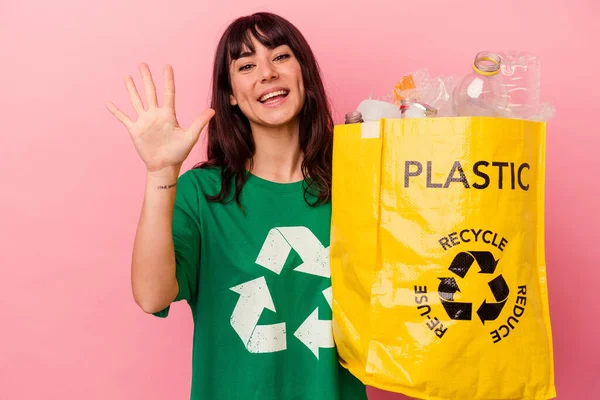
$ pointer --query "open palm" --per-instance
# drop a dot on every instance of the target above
(156, 134)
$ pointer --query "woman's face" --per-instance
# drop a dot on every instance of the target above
(267, 85)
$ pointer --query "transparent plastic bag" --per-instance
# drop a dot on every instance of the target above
(543, 113)
(434, 91)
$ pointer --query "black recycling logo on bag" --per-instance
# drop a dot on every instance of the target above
(462, 263)
(469, 268)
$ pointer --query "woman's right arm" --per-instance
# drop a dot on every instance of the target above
(163, 147)
(153, 278)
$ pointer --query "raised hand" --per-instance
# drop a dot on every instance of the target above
(156, 134)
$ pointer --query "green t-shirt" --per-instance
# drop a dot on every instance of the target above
(259, 287)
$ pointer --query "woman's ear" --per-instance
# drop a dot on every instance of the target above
(232, 100)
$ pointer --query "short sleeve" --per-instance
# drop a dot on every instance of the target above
(186, 239)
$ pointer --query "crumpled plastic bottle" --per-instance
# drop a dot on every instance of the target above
(521, 72)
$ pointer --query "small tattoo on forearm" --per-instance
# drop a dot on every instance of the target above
(167, 186)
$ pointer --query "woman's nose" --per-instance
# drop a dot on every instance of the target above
(268, 72)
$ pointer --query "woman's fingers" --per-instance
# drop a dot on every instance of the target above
(119, 114)
(149, 86)
(200, 122)
(136, 100)
(169, 97)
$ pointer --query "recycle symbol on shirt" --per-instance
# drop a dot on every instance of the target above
(255, 296)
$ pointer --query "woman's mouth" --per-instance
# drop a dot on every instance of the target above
(274, 98)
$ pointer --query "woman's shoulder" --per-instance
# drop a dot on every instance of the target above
(204, 179)
(202, 174)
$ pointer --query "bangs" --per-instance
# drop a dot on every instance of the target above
(268, 32)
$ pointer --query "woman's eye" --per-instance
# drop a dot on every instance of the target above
(282, 57)
(245, 67)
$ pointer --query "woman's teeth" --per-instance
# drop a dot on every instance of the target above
(272, 94)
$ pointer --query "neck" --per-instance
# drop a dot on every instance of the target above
(278, 156)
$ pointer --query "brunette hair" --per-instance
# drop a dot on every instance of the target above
(230, 142)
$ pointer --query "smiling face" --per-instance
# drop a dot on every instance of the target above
(267, 85)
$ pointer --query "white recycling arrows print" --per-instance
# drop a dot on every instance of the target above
(255, 296)
(314, 332)
(280, 241)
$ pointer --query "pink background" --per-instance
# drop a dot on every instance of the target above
(72, 183)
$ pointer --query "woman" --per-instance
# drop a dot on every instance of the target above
(244, 237)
